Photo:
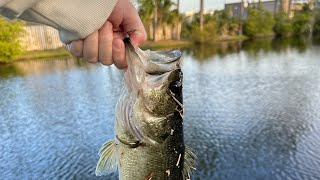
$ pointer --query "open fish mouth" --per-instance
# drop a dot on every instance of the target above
(152, 62)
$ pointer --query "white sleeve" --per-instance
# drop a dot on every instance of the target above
(74, 19)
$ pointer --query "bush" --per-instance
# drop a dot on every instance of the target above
(9, 40)
(207, 35)
(259, 23)
(283, 26)
(228, 25)
(303, 20)
(316, 28)
(302, 23)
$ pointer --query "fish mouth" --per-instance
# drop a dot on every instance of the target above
(154, 62)
(162, 62)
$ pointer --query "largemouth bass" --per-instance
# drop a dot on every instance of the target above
(149, 121)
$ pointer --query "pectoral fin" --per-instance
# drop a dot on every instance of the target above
(108, 159)
(190, 163)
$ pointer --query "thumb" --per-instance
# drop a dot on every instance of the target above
(137, 37)
(133, 25)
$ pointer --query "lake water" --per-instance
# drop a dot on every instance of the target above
(252, 111)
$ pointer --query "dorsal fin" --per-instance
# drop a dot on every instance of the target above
(108, 159)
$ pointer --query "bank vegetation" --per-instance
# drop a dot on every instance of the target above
(10, 46)
(167, 26)
(221, 26)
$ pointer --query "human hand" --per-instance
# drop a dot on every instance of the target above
(106, 45)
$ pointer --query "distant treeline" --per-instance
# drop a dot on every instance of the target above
(220, 25)
(259, 23)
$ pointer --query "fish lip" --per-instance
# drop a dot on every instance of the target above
(159, 67)
(163, 65)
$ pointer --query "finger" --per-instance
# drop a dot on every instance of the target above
(119, 34)
(105, 44)
(76, 48)
(137, 37)
(132, 24)
(90, 47)
(118, 54)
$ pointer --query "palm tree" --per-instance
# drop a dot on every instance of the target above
(241, 17)
(201, 15)
(155, 20)
(178, 15)
(155, 11)
(146, 10)
(149, 14)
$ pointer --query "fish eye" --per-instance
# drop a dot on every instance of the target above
(176, 87)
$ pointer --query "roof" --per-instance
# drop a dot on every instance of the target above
(249, 1)
(300, 1)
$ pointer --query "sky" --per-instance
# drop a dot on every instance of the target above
(188, 5)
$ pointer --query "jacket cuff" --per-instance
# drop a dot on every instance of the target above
(74, 19)
(13, 8)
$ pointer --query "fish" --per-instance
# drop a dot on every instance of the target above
(149, 142)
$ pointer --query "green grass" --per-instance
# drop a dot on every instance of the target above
(165, 44)
(174, 43)
(60, 52)
(233, 38)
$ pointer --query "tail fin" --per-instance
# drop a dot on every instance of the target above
(108, 159)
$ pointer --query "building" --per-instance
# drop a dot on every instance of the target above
(299, 1)
(317, 4)
(297, 5)
(240, 9)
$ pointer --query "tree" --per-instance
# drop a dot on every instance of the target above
(180, 18)
(178, 6)
(317, 22)
(155, 20)
(155, 11)
(228, 25)
(9, 39)
(201, 14)
(283, 25)
(260, 22)
(303, 21)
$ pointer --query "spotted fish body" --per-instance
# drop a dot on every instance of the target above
(149, 121)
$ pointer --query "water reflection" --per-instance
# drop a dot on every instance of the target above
(53, 116)
(255, 109)
(41, 66)
(253, 48)
(252, 112)
(205, 52)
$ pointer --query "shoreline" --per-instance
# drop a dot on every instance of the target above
(163, 44)
(43, 54)
(184, 43)
(40, 54)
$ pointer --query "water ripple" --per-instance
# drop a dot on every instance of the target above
(248, 116)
